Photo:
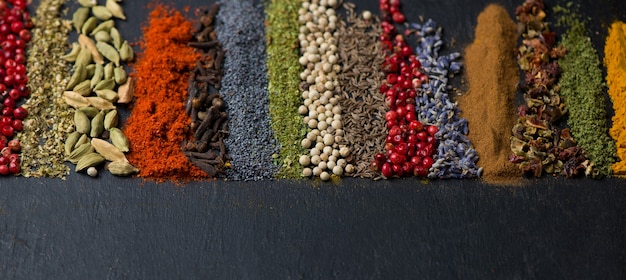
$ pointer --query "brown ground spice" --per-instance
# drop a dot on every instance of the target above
(492, 74)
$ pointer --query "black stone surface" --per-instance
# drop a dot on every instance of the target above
(112, 228)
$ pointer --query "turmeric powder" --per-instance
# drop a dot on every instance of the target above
(615, 61)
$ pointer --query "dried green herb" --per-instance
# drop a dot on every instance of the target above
(583, 88)
(50, 118)
(538, 145)
(284, 78)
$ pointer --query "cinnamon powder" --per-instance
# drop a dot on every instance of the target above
(488, 106)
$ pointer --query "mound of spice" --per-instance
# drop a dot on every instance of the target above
(157, 125)
(251, 143)
(538, 145)
(14, 24)
(409, 144)
(615, 61)
(455, 157)
(98, 82)
(360, 79)
(283, 74)
(50, 118)
(205, 106)
(582, 86)
(320, 90)
(488, 105)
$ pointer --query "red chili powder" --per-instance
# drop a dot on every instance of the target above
(156, 127)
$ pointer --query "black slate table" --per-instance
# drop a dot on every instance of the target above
(121, 228)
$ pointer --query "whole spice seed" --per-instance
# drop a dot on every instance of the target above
(121, 168)
(409, 144)
(320, 91)
(209, 121)
(455, 157)
(101, 12)
(16, 22)
(79, 17)
(488, 105)
(360, 79)
(115, 9)
(615, 61)
(538, 145)
(283, 72)
(50, 119)
(96, 116)
(156, 126)
(89, 160)
(251, 141)
(582, 86)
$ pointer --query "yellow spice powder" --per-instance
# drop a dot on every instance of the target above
(615, 61)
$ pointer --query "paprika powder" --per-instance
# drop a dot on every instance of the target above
(156, 127)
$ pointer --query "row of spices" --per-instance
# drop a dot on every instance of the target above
(356, 100)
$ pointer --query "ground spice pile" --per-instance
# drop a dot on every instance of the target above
(283, 73)
(156, 127)
(582, 86)
(488, 105)
(615, 61)
(50, 118)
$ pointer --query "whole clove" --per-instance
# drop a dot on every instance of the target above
(205, 105)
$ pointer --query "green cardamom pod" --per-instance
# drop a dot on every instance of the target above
(100, 103)
(107, 94)
(79, 17)
(103, 36)
(121, 168)
(86, 43)
(80, 74)
(105, 25)
(107, 150)
(73, 54)
(109, 52)
(89, 160)
(89, 111)
(83, 88)
(108, 71)
(118, 139)
(111, 119)
(115, 9)
(105, 84)
(82, 140)
(116, 38)
(70, 141)
(97, 125)
(126, 91)
(120, 75)
(126, 52)
(87, 3)
(83, 125)
(101, 12)
(84, 57)
(97, 75)
(89, 25)
(75, 100)
(79, 152)
(91, 69)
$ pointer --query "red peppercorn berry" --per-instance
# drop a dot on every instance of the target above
(15, 22)
(409, 144)
(4, 169)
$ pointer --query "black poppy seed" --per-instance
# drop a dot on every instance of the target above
(251, 142)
